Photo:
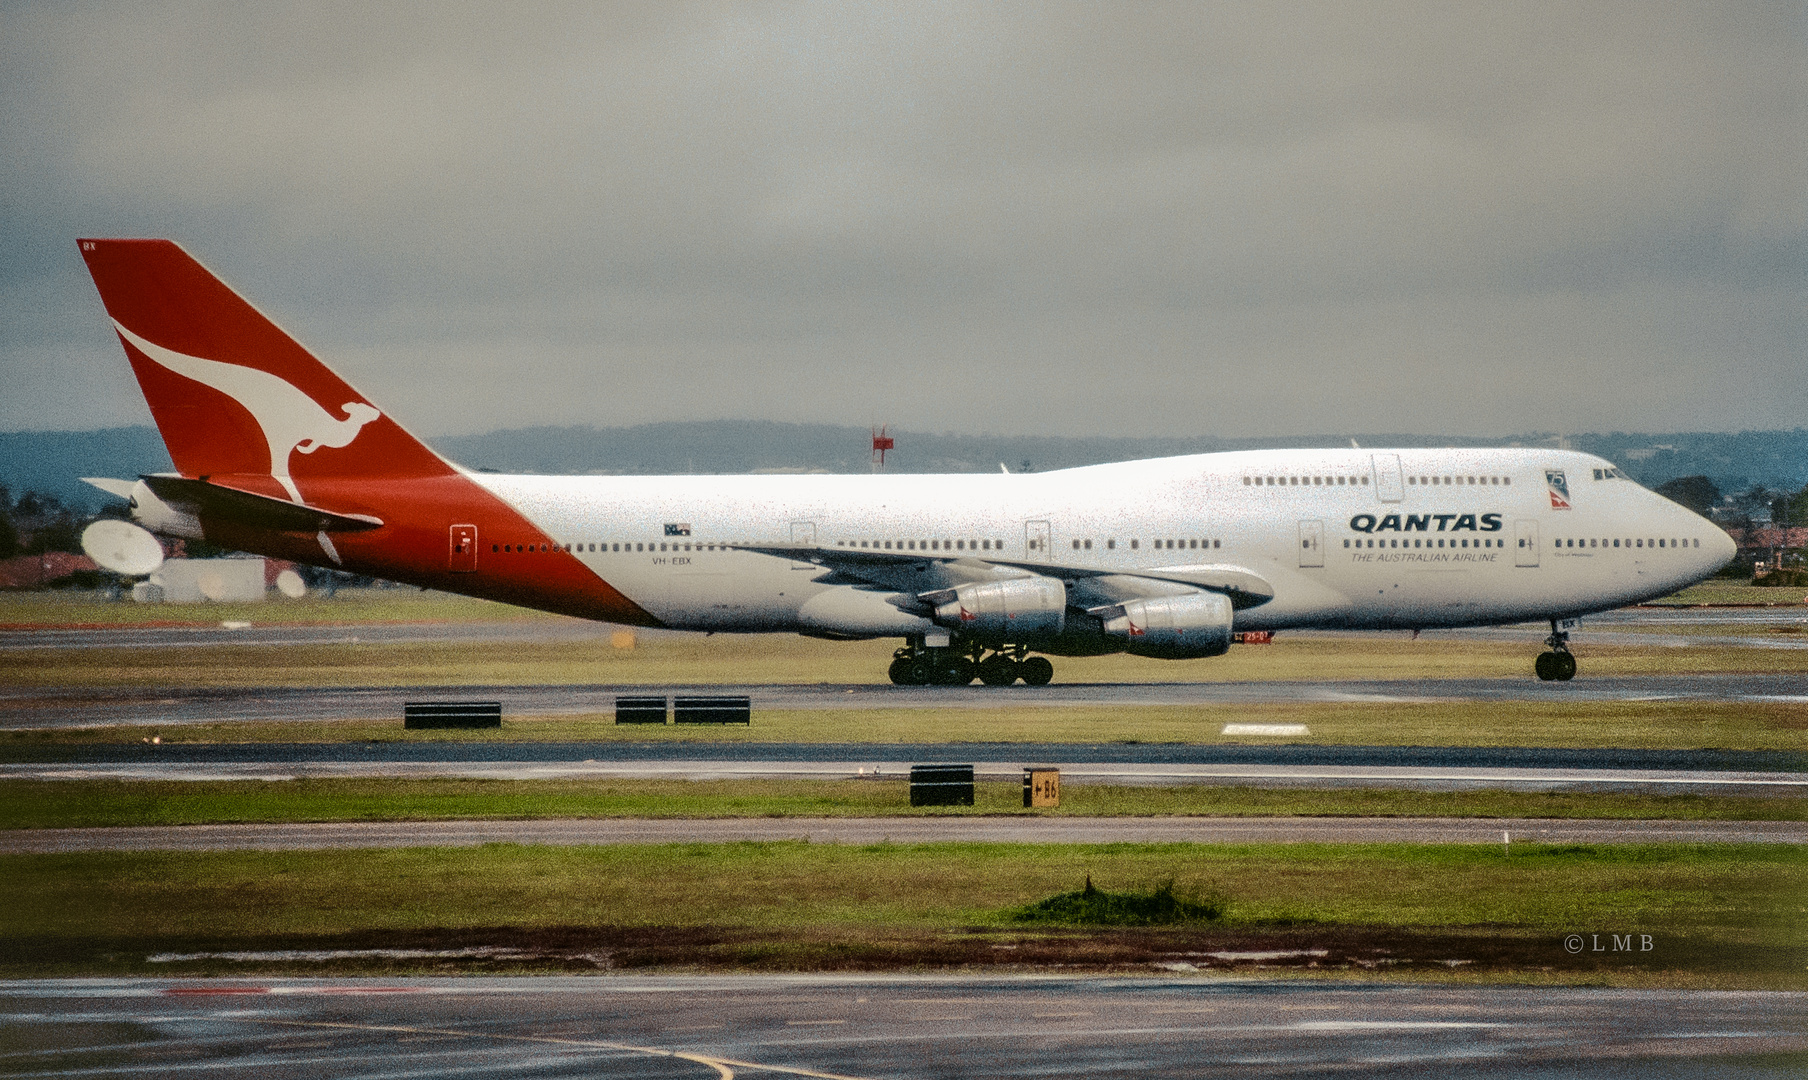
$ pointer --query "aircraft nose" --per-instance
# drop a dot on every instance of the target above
(1724, 548)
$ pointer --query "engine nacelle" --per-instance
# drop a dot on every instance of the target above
(1173, 627)
(1013, 610)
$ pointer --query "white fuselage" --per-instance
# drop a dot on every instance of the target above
(1346, 538)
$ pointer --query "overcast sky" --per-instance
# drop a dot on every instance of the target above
(1122, 219)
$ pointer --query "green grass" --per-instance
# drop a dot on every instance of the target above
(383, 605)
(1161, 905)
(1736, 894)
(26, 804)
(1633, 724)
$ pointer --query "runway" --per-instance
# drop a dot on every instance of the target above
(320, 836)
(282, 755)
(70, 708)
(867, 1028)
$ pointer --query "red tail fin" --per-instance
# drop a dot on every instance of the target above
(231, 392)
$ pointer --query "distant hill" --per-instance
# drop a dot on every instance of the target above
(54, 461)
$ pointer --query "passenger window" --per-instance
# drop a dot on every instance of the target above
(1111, 545)
(1133, 545)
(1089, 545)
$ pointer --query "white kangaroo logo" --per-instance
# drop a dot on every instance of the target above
(290, 419)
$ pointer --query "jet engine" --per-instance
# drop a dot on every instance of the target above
(1014, 610)
(1172, 627)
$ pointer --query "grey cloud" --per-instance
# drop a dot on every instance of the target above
(1148, 219)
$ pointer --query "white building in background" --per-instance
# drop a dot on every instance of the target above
(193, 581)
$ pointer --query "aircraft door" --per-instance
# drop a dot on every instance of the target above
(804, 532)
(1388, 485)
(1312, 543)
(462, 555)
(1035, 541)
(1526, 553)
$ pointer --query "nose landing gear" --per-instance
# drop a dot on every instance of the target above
(1559, 664)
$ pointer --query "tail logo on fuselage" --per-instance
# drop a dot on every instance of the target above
(289, 419)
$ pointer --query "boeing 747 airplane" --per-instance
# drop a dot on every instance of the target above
(277, 455)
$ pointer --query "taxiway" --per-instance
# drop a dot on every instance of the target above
(25, 707)
(566, 832)
(847, 1027)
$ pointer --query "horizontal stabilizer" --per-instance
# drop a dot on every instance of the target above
(207, 499)
(121, 488)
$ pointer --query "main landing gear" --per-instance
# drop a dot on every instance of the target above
(921, 665)
(1558, 665)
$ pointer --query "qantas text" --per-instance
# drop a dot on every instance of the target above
(1369, 523)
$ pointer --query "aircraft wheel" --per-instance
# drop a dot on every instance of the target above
(1546, 666)
(900, 672)
(1036, 671)
(1566, 666)
(922, 672)
(996, 670)
(955, 671)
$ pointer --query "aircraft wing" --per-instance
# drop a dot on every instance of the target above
(925, 572)
(204, 498)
